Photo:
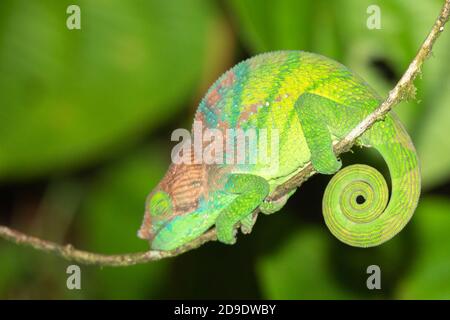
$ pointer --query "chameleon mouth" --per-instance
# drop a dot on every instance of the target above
(145, 234)
(147, 230)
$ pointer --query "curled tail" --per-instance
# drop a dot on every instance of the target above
(356, 207)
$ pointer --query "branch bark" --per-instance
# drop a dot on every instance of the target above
(403, 89)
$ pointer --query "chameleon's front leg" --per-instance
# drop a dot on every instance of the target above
(248, 222)
(251, 191)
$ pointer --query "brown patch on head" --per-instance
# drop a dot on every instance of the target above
(218, 176)
(185, 183)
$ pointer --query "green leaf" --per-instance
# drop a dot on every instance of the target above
(429, 276)
(300, 269)
(110, 219)
(70, 96)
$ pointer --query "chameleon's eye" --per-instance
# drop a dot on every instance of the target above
(160, 204)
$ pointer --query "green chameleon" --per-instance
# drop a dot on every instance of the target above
(313, 102)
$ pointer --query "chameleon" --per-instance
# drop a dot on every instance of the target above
(313, 102)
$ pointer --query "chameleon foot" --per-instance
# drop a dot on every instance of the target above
(248, 222)
(269, 207)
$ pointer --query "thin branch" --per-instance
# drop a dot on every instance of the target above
(85, 257)
(403, 89)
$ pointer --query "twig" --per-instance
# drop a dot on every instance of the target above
(401, 91)
(70, 253)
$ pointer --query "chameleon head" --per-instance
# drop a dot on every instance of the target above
(171, 210)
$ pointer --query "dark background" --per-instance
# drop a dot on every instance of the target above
(85, 123)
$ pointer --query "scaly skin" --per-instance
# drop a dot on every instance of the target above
(313, 102)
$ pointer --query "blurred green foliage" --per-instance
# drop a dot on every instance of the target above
(85, 123)
(302, 260)
(429, 277)
(69, 97)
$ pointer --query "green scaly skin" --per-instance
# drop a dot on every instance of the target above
(313, 102)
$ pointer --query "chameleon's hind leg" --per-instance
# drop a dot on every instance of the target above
(251, 191)
(315, 114)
